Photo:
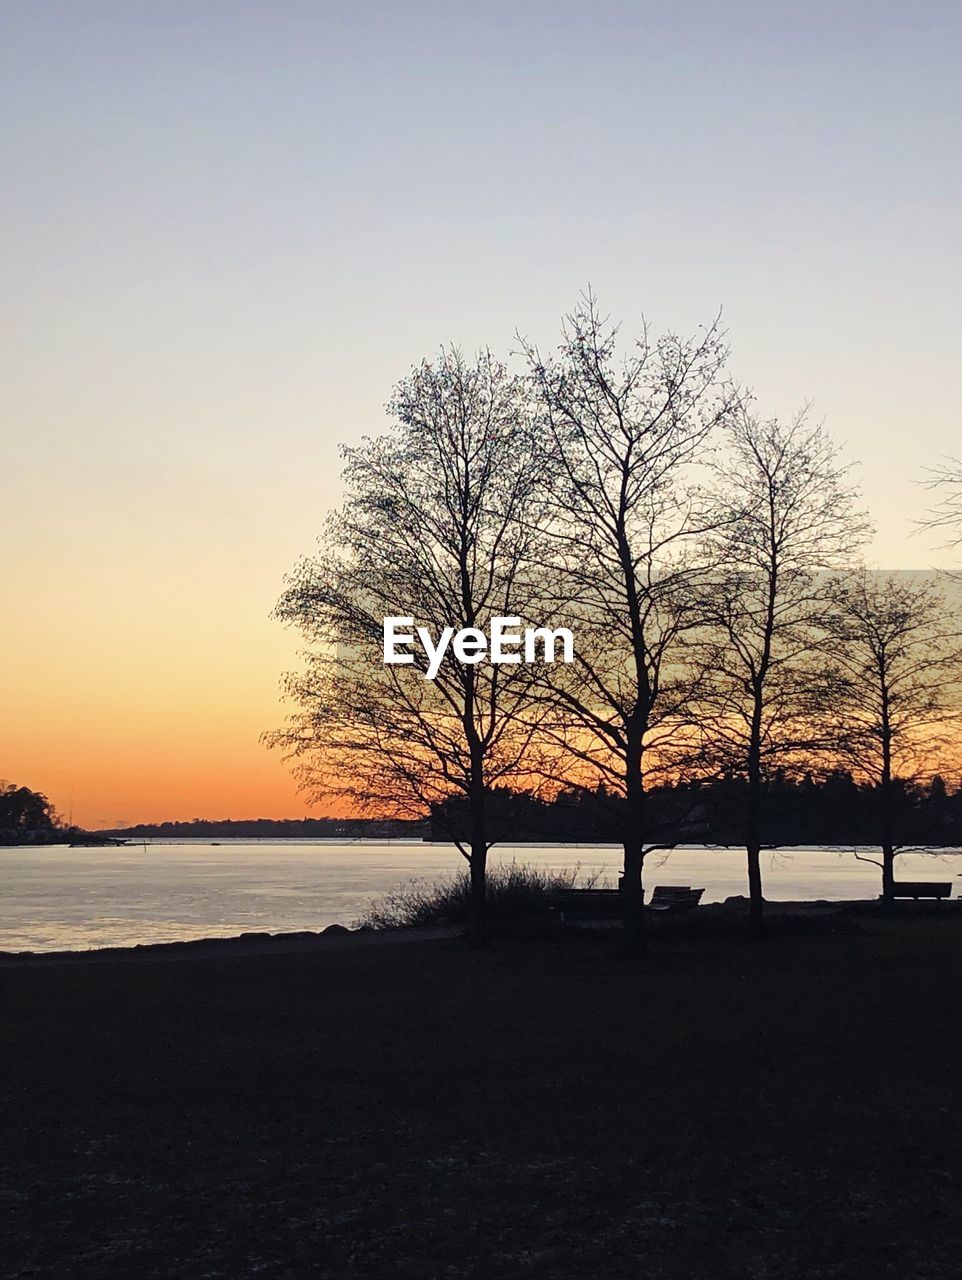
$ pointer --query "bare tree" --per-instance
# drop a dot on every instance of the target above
(946, 516)
(437, 527)
(620, 438)
(786, 516)
(898, 666)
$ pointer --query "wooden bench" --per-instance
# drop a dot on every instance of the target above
(922, 889)
(607, 903)
(604, 903)
(675, 897)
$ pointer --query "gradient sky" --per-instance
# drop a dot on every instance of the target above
(229, 228)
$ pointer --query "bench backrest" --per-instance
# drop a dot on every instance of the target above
(609, 901)
(586, 895)
(923, 889)
(675, 893)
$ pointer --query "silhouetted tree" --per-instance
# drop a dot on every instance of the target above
(23, 812)
(946, 516)
(898, 661)
(437, 526)
(620, 438)
(786, 515)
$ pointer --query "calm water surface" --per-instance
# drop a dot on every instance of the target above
(59, 898)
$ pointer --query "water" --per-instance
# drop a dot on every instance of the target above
(58, 898)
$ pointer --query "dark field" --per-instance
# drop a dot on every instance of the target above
(536, 1109)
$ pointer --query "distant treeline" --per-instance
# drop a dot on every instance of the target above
(273, 829)
(835, 810)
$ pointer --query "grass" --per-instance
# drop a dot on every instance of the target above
(721, 1111)
(515, 893)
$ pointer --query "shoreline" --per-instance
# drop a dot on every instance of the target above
(333, 938)
(340, 937)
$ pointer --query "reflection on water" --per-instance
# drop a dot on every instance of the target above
(60, 898)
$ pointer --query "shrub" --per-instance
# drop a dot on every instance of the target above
(514, 893)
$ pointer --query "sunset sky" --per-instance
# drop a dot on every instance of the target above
(229, 228)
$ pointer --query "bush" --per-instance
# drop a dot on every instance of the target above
(515, 893)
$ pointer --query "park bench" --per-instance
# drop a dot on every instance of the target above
(595, 903)
(922, 889)
(674, 897)
(606, 903)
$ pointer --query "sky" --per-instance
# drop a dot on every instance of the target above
(228, 229)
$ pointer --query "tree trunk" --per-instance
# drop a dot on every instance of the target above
(888, 875)
(635, 934)
(756, 903)
(753, 830)
(634, 939)
(478, 923)
(477, 808)
(886, 823)
(888, 844)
